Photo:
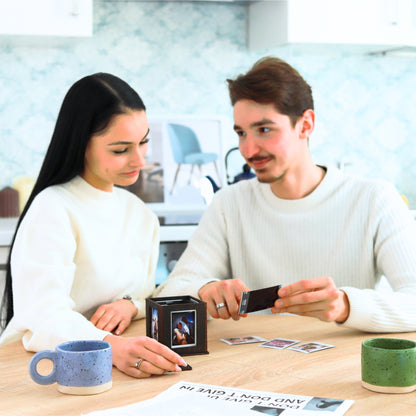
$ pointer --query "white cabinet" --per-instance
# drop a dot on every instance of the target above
(46, 17)
(364, 22)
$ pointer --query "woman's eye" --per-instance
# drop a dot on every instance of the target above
(144, 141)
(120, 151)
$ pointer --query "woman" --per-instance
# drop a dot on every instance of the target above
(84, 254)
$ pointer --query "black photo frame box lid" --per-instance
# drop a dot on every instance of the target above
(179, 322)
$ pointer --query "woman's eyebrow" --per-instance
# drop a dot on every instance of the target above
(119, 142)
(126, 142)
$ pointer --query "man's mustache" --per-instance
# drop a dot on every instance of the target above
(258, 158)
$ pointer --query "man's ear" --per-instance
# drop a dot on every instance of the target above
(306, 124)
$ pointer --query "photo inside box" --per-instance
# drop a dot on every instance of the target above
(155, 324)
(183, 328)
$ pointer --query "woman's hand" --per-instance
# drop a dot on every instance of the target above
(317, 297)
(141, 357)
(114, 317)
(227, 292)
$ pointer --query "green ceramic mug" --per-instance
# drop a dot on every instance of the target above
(388, 365)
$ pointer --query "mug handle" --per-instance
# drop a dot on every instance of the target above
(38, 378)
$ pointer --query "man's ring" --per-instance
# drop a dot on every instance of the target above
(220, 305)
(138, 362)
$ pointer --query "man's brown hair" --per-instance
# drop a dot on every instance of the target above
(273, 81)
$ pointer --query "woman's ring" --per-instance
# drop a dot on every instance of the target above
(220, 305)
(138, 362)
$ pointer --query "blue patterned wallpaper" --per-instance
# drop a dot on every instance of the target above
(178, 55)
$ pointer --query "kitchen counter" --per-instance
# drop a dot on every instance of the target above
(177, 223)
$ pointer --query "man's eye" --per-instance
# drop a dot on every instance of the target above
(264, 129)
(240, 133)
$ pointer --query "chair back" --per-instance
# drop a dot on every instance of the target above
(183, 141)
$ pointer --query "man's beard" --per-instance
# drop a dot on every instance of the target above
(269, 178)
(265, 177)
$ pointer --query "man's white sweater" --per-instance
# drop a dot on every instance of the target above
(351, 229)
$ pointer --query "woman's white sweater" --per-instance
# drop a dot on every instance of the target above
(77, 248)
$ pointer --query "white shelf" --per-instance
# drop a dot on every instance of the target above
(168, 233)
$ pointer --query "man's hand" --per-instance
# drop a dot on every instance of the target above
(228, 292)
(318, 297)
(114, 317)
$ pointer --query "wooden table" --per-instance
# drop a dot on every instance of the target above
(332, 373)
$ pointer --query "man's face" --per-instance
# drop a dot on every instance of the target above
(267, 140)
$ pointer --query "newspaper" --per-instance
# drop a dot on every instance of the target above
(186, 398)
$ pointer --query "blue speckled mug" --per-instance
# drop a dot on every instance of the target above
(79, 367)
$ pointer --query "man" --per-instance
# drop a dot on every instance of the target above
(326, 237)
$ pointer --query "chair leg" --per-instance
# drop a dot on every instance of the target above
(190, 175)
(218, 173)
(176, 176)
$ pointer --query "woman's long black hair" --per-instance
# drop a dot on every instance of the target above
(86, 109)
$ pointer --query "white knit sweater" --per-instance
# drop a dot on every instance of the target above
(351, 229)
(77, 248)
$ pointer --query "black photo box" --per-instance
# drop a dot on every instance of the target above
(179, 322)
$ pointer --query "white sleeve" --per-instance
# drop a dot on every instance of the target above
(42, 276)
(395, 258)
(206, 257)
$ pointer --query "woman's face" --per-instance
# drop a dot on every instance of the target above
(116, 155)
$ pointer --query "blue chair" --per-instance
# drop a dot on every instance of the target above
(187, 150)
